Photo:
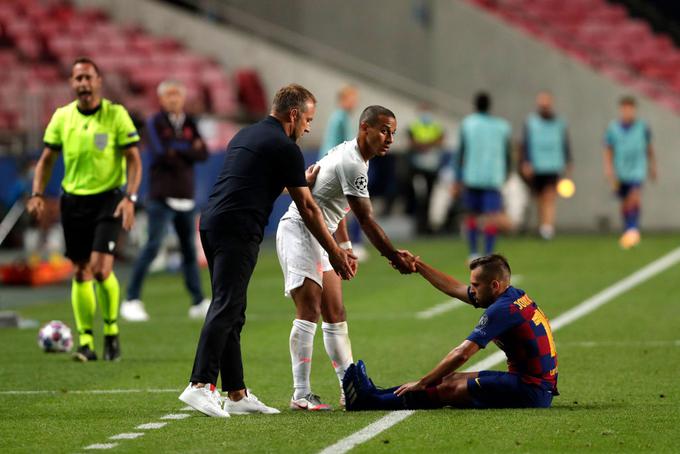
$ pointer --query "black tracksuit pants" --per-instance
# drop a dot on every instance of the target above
(231, 260)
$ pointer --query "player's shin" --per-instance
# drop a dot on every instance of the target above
(84, 304)
(301, 348)
(338, 346)
(108, 295)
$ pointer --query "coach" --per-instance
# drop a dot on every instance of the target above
(261, 161)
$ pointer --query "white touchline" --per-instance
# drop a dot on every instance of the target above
(584, 308)
(439, 309)
(151, 425)
(102, 446)
(91, 391)
(127, 436)
(176, 416)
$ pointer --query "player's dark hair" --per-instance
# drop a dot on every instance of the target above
(290, 97)
(628, 101)
(494, 266)
(86, 61)
(482, 102)
(371, 115)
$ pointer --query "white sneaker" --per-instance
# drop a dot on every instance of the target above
(310, 402)
(205, 400)
(133, 311)
(248, 405)
(199, 311)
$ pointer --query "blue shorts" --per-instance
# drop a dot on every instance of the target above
(625, 188)
(482, 200)
(493, 389)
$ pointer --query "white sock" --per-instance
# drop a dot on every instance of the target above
(338, 346)
(301, 348)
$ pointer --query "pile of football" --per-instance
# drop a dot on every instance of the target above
(55, 337)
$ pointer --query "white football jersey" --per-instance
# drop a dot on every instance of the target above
(343, 172)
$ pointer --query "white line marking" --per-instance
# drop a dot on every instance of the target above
(652, 343)
(176, 416)
(573, 314)
(102, 446)
(91, 391)
(127, 436)
(187, 408)
(151, 425)
(368, 432)
(439, 309)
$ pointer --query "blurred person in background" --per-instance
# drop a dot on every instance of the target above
(176, 146)
(426, 138)
(628, 159)
(483, 167)
(545, 157)
(98, 142)
(339, 129)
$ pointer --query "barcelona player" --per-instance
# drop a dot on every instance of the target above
(628, 160)
(511, 319)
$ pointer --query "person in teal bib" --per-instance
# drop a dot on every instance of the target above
(483, 167)
(545, 157)
(98, 142)
(628, 160)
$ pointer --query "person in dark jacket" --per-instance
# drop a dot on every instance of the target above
(175, 146)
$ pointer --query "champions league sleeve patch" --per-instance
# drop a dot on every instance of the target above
(361, 182)
(483, 321)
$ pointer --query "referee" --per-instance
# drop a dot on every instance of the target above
(98, 142)
(261, 161)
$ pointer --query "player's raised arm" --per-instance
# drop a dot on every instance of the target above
(443, 282)
(313, 219)
(363, 210)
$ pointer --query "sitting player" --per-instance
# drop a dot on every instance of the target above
(511, 319)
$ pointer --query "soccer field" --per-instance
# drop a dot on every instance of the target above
(618, 366)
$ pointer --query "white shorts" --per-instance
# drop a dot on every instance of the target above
(300, 255)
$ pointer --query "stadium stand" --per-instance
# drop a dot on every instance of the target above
(40, 39)
(603, 36)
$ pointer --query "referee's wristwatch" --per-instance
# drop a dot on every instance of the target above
(131, 197)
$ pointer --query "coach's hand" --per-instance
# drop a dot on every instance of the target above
(341, 261)
(409, 387)
(126, 209)
(311, 173)
(36, 206)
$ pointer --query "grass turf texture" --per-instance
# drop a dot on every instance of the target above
(618, 366)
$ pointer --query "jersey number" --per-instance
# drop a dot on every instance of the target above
(539, 318)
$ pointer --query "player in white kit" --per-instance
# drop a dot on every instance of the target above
(341, 185)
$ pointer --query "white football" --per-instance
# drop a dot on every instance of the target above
(55, 336)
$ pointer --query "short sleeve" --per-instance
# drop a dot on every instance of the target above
(293, 167)
(491, 325)
(609, 137)
(353, 177)
(53, 137)
(126, 133)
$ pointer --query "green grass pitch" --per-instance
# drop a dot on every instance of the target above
(619, 366)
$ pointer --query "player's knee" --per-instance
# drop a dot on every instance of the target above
(101, 273)
(82, 271)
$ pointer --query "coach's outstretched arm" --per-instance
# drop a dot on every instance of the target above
(340, 259)
(443, 282)
(363, 210)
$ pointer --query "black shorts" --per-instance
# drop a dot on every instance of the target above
(89, 224)
(540, 182)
